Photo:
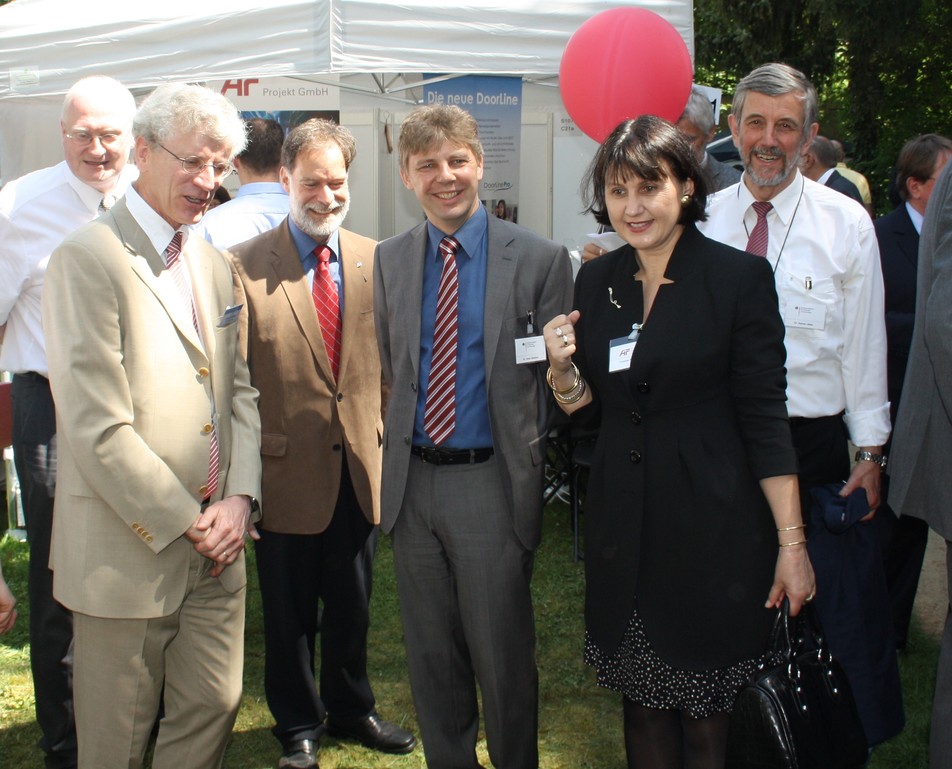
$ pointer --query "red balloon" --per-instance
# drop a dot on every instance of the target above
(623, 63)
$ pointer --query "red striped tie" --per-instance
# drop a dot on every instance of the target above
(439, 415)
(327, 303)
(177, 270)
(757, 242)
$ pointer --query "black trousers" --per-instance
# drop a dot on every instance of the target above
(51, 625)
(823, 455)
(304, 577)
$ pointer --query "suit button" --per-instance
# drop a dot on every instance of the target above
(413, 386)
(335, 447)
(406, 439)
(203, 490)
(634, 456)
(148, 539)
(643, 387)
(635, 418)
(340, 397)
(203, 372)
(207, 428)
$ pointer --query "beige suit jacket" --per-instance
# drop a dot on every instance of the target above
(308, 421)
(133, 386)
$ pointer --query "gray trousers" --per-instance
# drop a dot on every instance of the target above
(463, 581)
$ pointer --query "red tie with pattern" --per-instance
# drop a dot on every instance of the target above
(177, 271)
(439, 414)
(757, 242)
(327, 303)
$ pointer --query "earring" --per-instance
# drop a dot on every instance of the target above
(685, 199)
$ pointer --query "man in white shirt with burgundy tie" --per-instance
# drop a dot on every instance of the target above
(825, 256)
(823, 250)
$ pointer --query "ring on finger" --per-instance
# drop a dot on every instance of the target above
(809, 598)
(565, 341)
(558, 331)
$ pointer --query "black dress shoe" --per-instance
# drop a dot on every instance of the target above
(373, 732)
(300, 754)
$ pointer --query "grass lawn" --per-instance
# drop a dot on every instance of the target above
(580, 724)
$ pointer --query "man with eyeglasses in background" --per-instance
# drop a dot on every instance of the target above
(159, 466)
(36, 212)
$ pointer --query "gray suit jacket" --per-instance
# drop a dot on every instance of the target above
(524, 272)
(922, 439)
(132, 383)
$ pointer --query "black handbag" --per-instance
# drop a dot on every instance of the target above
(798, 711)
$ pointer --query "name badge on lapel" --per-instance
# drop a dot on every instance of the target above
(530, 348)
(620, 350)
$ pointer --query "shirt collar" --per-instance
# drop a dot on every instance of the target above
(784, 202)
(469, 235)
(156, 229)
(260, 188)
(826, 176)
(305, 244)
(93, 197)
(916, 217)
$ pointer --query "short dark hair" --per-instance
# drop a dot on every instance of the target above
(263, 153)
(317, 132)
(917, 160)
(640, 147)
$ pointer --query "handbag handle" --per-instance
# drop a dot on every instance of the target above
(788, 643)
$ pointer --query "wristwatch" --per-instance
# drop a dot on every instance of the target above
(255, 507)
(869, 456)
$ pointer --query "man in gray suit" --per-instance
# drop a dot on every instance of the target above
(922, 439)
(459, 301)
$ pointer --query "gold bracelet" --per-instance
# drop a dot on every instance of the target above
(568, 400)
(792, 528)
(550, 378)
(791, 544)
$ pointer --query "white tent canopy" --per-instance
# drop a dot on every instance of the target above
(46, 45)
(376, 51)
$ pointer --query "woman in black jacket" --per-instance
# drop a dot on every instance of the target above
(693, 531)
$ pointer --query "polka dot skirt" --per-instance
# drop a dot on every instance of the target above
(637, 671)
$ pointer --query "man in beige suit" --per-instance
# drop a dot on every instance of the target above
(159, 462)
(313, 357)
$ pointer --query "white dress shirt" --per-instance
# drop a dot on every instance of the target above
(37, 211)
(258, 207)
(823, 248)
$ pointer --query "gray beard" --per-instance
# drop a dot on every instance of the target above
(322, 231)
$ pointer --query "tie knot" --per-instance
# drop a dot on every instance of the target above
(323, 254)
(448, 247)
(174, 247)
(761, 208)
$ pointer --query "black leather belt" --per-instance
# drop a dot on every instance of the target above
(33, 376)
(435, 455)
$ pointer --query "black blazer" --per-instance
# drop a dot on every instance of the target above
(675, 514)
(841, 184)
(899, 255)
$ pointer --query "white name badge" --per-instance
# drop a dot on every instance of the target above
(530, 349)
(804, 314)
(619, 354)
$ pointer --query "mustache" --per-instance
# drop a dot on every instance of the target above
(319, 209)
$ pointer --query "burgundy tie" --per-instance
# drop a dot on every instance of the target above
(757, 243)
(439, 415)
(327, 303)
(177, 270)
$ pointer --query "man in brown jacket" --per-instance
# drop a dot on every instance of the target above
(312, 354)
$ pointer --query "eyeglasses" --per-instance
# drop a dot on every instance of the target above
(85, 138)
(195, 166)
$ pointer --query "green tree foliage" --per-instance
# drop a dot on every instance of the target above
(882, 67)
